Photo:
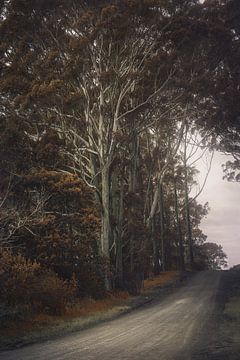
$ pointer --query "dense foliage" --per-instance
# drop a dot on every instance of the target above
(102, 108)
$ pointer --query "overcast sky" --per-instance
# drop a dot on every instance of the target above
(222, 224)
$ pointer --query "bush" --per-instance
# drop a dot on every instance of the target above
(25, 283)
(13, 314)
(51, 294)
(17, 276)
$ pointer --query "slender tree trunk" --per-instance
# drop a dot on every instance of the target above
(114, 211)
(119, 254)
(155, 245)
(161, 207)
(179, 230)
(188, 223)
(132, 189)
(187, 209)
(106, 228)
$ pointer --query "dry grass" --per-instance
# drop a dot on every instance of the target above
(82, 308)
(86, 307)
(161, 280)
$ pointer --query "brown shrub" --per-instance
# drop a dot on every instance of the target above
(51, 294)
(23, 282)
(17, 275)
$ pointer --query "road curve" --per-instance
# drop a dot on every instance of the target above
(168, 329)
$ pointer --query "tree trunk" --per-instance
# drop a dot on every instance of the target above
(119, 254)
(132, 189)
(179, 230)
(187, 209)
(162, 227)
(188, 223)
(155, 244)
(106, 228)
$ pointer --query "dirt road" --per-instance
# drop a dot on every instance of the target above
(169, 329)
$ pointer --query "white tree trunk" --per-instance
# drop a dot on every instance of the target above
(106, 229)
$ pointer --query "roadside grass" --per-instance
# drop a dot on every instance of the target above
(161, 280)
(232, 308)
(81, 315)
(230, 325)
(232, 305)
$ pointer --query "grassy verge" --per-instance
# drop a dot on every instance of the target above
(222, 341)
(231, 315)
(232, 309)
(85, 313)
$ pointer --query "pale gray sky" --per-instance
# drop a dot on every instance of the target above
(222, 224)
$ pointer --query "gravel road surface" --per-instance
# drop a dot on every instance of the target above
(167, 329)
